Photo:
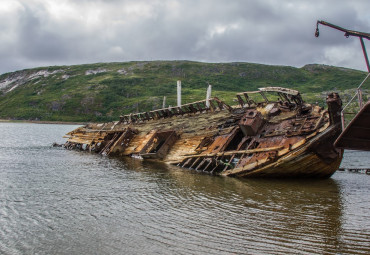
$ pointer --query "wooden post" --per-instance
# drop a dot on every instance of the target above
(209, 91)
(164, 102)
(359, 93)
(179, 93)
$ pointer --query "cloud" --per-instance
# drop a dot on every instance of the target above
(41, 33)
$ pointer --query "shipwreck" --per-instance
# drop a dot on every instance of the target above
(271, 132)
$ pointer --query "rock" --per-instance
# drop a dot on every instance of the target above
(96, 71)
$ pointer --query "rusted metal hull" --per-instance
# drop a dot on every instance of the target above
(301, 162)
(281, 138)
(356, 136)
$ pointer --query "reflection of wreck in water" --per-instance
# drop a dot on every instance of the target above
(271, 133)
(267, 215)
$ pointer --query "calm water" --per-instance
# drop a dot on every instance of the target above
(54, 201)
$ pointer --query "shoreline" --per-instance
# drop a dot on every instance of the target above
(43, 122)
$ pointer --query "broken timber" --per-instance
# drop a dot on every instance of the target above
(277, 136)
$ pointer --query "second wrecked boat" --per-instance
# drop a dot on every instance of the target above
(278, 136)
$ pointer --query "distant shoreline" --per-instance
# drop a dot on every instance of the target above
(42, 122)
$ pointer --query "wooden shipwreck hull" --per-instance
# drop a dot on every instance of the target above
(278, 136)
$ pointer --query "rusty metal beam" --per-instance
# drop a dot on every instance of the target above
(365, 54)
(240, 100)
(348, 33)
(264, 97)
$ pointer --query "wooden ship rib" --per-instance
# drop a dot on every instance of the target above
(278, 136)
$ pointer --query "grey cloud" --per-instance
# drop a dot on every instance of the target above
(270, 32)
(36, 43)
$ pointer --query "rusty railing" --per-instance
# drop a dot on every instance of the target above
(358, 94)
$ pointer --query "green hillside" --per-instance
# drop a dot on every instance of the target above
(104, 91)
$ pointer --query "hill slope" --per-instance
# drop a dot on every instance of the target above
(104, 91)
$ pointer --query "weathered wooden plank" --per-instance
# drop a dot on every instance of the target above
(227, 153)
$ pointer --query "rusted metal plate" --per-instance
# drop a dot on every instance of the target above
(356, 136)
(251, 122)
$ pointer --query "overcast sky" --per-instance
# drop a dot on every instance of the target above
(36, 33)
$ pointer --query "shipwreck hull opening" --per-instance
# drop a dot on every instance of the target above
(159, 144)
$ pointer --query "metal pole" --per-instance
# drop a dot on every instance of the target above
(342, 117)
(178, 93)
(365, 54)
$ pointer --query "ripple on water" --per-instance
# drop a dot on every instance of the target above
(54, 201)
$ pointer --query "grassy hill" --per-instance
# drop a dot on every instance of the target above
(104, 91)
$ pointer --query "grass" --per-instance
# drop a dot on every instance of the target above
(71, 94)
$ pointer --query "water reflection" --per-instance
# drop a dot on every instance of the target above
(275, 216)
